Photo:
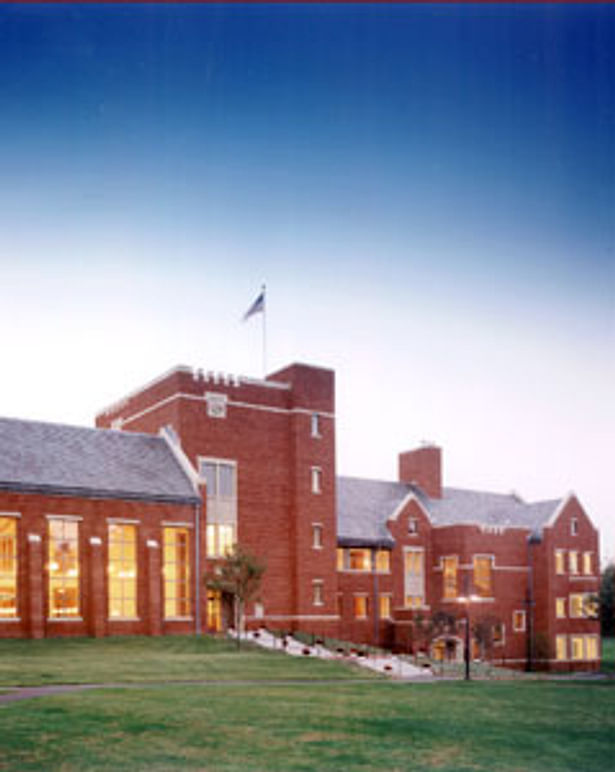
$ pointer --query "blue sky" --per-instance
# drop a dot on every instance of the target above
(428, 192)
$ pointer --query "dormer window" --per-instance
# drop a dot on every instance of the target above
(413, 526)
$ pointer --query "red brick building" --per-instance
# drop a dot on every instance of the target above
(362, 560)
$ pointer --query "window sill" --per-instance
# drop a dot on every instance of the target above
(64, 619)
(123, 619)
(179, 619)
(9, 619)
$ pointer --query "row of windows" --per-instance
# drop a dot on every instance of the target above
(362, 559)
(581, 605)
(576, 647)
(482, 579)
(361, 606)
(576, 561)
(63, 570)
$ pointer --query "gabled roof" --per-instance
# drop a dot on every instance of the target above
(364, 506)
(71, 460)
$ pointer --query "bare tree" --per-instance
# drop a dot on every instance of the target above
(238, 575)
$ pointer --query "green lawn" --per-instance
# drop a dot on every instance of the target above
(144, 659)
(380, 725)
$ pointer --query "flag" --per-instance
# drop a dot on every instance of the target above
(258, 307)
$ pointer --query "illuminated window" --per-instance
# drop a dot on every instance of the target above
(315, 425)
(591, 647)
(220, 539)
(499, 634)
(318, 592)
(176, 572)
(449, 577)
(214, 610)
(383, 561)
(317, 536)
(63, 567)
(560, 647)
(583, 605)
(359, 560)
(519, 621)
(8, 568)
(573, 562)
(384, 606)
(587, 563)
(414, 578)
(361, 606)
(482, 575)
(220, 476)
(560, 608)
(316, 479)
(340, 559)
(576, 647)
(560, 562)
(122, 571)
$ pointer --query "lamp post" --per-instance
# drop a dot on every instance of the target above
(466, 600)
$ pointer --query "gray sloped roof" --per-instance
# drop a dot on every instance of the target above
(364, 506)
(55, 458)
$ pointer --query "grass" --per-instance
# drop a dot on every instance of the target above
(143, 659)
(530, 726)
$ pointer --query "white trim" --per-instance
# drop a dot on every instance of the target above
(316, 480)
(10, 514)
(119, 403)
(559, 509)
(403, 503)
(34, 538)
(300, 617)
(230, 403)
(171, 524)
(9, 619)
(74, 518)
(523, 628)
(65, 619)
(95, 541)
(509, 568)
(123, 521)
(123, 619)
(152, 544)
(178, 619)
(181, 458)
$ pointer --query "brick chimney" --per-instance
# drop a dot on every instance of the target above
(423, 467)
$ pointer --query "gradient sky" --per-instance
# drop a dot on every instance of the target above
(428, 192)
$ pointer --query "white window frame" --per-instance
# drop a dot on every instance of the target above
(574, 526)
(318, 592)
(317, 536)
(411, 589)
(390, 597)
(316, 480)
(519, 628)
(315, 426)
(573, 562)
(587, 563)
(364, 595)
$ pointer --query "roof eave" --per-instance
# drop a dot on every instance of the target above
(93, 493)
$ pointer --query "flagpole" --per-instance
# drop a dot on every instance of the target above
(264, 289)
